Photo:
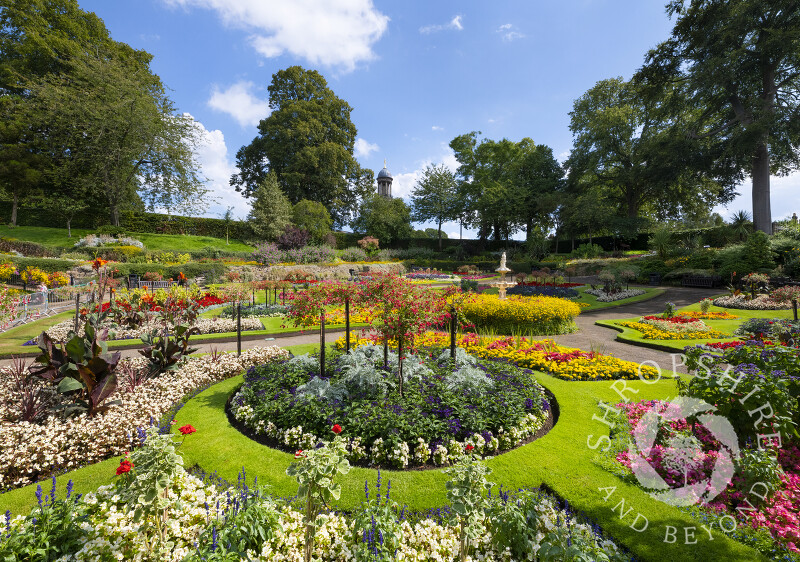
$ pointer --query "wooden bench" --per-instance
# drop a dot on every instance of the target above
(707, 281)
(152, 285)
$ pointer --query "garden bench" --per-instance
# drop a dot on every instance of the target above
(152, 285)
(708, 281)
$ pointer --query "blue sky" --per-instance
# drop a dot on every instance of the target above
(417, 73)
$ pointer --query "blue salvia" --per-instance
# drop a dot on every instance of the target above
(8, 521)
(39, 494)
(69, 488)
(53, 491)
(213, 538)
(366, 489)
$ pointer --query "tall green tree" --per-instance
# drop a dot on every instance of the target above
(308, 141)
(435, 197)
(108, 117)
(626, 145)
(313, 217)
(538, 187)
(271, 212)
(487, 173)
(387, 219)
(21, 167)
(738, 64)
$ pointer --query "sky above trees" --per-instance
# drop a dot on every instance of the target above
(417, 74)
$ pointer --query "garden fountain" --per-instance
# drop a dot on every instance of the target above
(502, 284)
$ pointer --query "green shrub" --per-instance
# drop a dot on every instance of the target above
(50, 265)
(758, 254)
(661, 242)
(586, 251)
(28, 249)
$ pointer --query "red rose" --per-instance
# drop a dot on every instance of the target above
(337, 429)
(187, 429)
(124, 466)
(469, 447)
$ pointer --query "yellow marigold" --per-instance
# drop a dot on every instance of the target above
(531, 315)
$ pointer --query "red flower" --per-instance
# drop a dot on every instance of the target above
(187, 429)
(124, 466)
(469, 447)
(299, 454)
(98, 263)
(337, 429)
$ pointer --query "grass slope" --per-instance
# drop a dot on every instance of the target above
(634, 337)
(57, 237)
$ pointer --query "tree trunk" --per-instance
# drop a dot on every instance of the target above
(69, 228)
(440, 235)
(762, 213)
(114, 215)
(14, 210)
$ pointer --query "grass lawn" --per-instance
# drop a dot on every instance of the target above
(629, 335)
(57, 237)
(562, 460)
(11, 341)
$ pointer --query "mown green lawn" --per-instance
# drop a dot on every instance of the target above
(629, 335)
(57, 237)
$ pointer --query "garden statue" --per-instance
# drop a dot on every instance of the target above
(502, 262)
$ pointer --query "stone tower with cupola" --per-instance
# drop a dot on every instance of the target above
(385, 182)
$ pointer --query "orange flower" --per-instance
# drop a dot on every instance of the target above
(98, 263)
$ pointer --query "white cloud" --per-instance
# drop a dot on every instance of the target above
(437, 128)
(217, 167)
(508, 32)
(492, 120)
(337, 33)
(454, 23)
(239, 102)
(363, 148)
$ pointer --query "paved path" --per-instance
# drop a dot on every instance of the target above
(589, 337)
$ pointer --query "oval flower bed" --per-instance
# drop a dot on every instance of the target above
(531, 315)
(487, 405)
(674, 328)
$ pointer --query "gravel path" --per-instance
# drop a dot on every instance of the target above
(589, 336)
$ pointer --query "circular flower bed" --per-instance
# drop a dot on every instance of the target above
(761, 302)
(444, 407)
(602, 296)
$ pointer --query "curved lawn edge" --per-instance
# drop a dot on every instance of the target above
(562, 460)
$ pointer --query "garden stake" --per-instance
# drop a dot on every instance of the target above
(400, 362)
(386, 352)
(453, 333)
(78, 305)
(794, 309)
(322, 343)
(347, 324)
(238, 329)
(266, 296)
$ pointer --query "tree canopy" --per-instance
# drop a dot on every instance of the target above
(435, 197)
(626, 146)
(737, 62)
(506, 185)
(271, 212)
(308, 141)
(387, 219)
(93, 111)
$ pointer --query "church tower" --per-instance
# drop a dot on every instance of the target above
(385, 182)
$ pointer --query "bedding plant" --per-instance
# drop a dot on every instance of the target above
(566, 363)
(755, 386)
(490, 406)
